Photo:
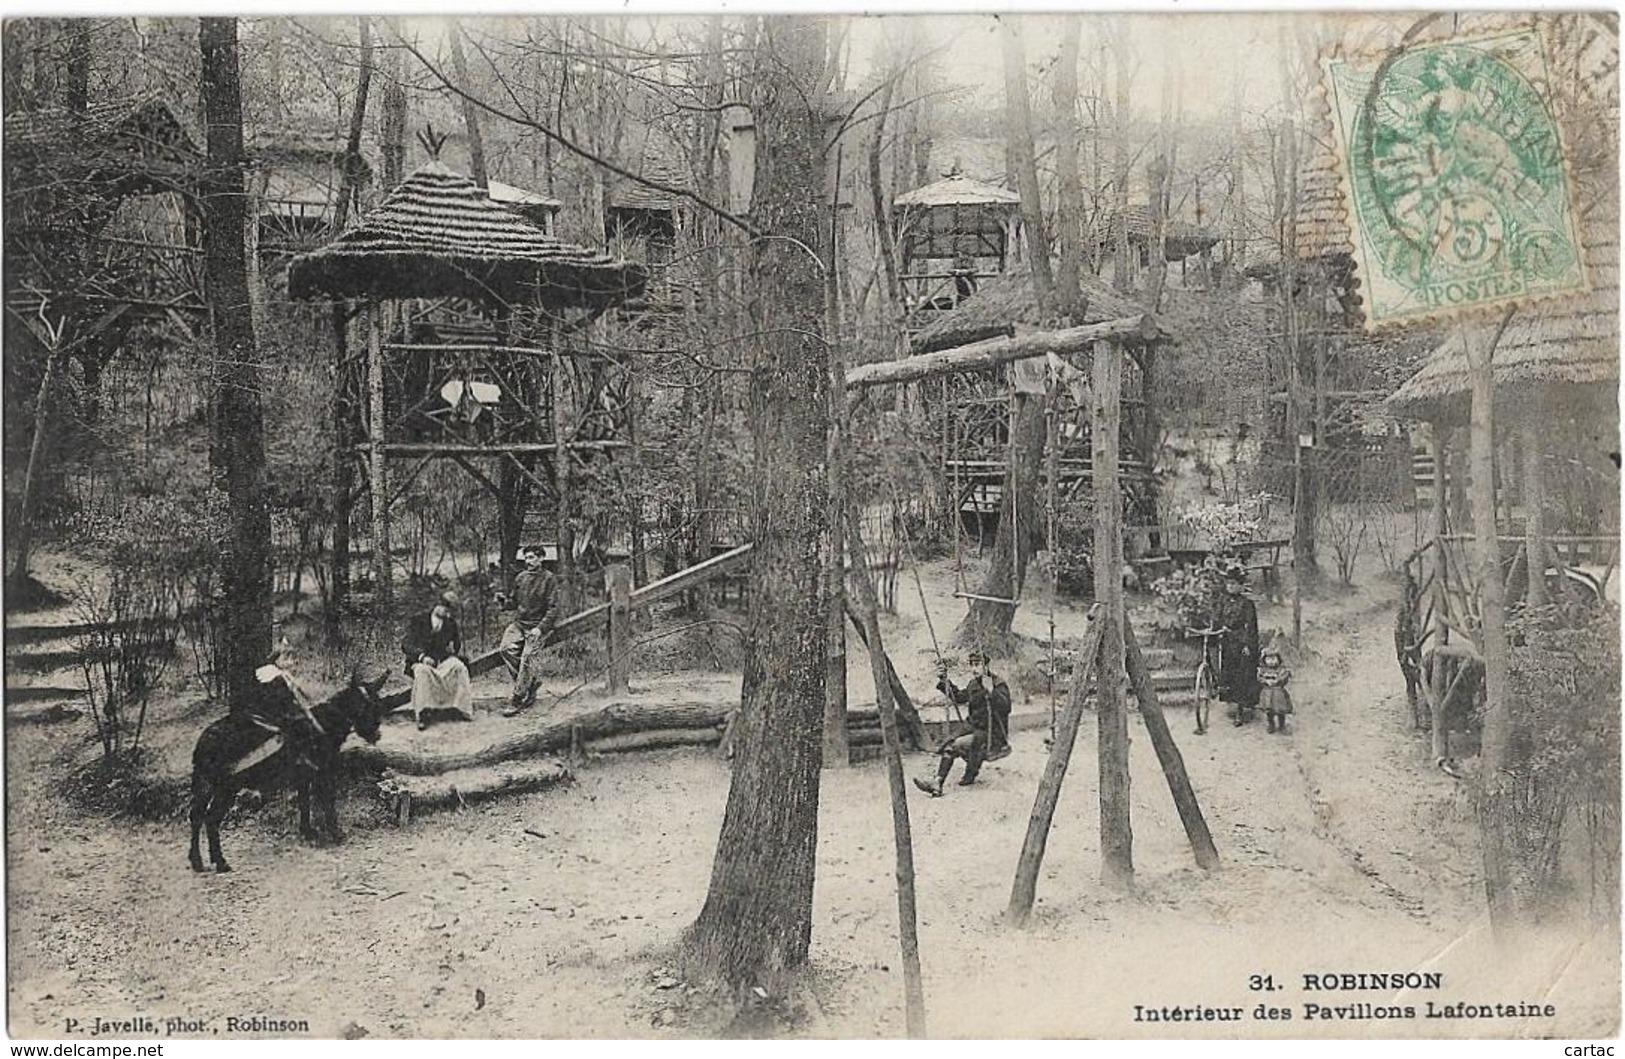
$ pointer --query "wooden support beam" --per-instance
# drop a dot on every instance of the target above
(913, 728)
(378, 465)
(618, 586)
(1173, 763)
(868, 621)
(1025, 888)
(980, 355)
(1116, 833)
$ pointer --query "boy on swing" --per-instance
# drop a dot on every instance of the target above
(987, 699)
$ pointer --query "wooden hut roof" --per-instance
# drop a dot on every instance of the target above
(438, 234)
(658, 164)
(1547, 346)
(1006, 301)
(1183, 239)
(115, 147)
(957, 190)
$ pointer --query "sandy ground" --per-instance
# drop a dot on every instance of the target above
(550, 914)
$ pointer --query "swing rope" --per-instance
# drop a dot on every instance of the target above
(919, 586)
(1052, 460)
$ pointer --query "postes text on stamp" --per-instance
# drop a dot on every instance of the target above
(1452, 162)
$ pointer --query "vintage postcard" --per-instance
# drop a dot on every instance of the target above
(819, 525)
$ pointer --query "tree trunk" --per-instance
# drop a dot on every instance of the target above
(471, 113)
(615, 719)
(756, 925)
(987, 623)
(1496, 801)
(341, 410)
(1122, 271)
(245, 579)
(1069, 300)
(1019, 130)
(393, 133)
(383, 578)
(1534, 501)
(24, 530)
(836, 752)
(76, 96)
(1116, 835)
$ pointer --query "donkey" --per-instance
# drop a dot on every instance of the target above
(224, 762)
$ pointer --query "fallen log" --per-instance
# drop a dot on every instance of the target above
(420, 792)
(654, 740)
(615, 719)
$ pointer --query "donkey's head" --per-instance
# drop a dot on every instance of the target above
(363, 705)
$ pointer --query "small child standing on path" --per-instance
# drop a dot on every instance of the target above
(1273, 697)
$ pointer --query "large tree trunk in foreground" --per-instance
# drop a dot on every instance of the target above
(239, 436)
(756, 925)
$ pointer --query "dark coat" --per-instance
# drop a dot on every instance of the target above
(988, 711)
(421, 639)
(1238, 681)
(534, 596)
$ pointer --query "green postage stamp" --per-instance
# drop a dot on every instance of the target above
(1453, 171)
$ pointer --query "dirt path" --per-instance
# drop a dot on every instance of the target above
(547, 915)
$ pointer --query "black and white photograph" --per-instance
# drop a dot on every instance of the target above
(811, 525)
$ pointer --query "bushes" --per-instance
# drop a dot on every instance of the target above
(153, 581)
(1565, 765)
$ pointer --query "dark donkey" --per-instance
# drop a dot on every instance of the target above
(306, 760)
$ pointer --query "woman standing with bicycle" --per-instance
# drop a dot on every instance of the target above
(1238, 675)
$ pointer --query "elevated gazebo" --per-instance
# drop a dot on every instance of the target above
(953, 235)
(494, 381)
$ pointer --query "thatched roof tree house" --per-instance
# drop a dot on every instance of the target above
(970, 412)
(495, 384)
(100, 239)
(952, 235)
(1556, 370)
(1180, 240)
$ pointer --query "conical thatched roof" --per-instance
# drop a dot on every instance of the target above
(1006, 301)
(1548, 347)
(957, 190)
(438, 234)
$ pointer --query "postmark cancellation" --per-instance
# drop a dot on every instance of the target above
(1454, 177)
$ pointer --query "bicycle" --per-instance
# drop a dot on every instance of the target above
(1206, 681)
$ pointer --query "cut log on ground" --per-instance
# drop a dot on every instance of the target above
(412, 793)
(655, 740)
(615, 719)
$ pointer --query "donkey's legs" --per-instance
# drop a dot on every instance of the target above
(219, 805)
(305, 829)
(200, 804)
